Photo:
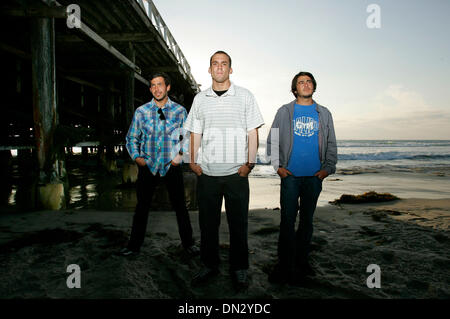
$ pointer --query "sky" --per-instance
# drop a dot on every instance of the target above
(387, 81)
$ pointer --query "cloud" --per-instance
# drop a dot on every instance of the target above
(397, 100)
(397, 113)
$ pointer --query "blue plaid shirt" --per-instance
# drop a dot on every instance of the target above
(157, 141)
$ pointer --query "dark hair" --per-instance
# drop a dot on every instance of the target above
(160, 74)
(220, 52)
(294, 82)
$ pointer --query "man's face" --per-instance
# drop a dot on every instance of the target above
(305, 86)
(220, 68)
(159, 88)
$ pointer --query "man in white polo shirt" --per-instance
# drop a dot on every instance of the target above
(224, 120)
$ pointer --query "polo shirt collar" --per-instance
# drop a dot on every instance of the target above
(231, 91)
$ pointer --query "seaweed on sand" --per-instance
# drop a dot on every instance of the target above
(368, 197)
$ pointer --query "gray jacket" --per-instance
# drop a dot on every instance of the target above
(279, 142)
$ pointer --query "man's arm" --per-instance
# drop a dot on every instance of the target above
(274, 158)
(330, 154)
(253, 144)
(183, 144)
(196, 140)
(253, 121)
(133, 139)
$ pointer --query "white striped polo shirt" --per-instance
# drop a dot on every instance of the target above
(224, 122)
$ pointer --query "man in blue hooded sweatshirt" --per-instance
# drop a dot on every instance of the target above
(303, 150)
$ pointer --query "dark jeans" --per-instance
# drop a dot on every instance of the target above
(145, 187)
(293, 247)
(211, 191)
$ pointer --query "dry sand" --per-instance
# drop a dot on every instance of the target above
(409, 239)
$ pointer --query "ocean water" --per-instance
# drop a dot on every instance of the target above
(408, 169)
(372, 156)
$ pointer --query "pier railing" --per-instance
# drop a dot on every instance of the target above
(158, 22)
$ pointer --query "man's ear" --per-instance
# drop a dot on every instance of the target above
(231, 70)
(209, 70)
(168, 88)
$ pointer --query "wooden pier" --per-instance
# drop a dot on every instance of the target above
(73, 74)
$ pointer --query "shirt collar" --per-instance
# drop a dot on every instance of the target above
(231, 91)
(168, 103)
(314, 104)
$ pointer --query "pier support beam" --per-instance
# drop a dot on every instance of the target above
(50, 159)
(6, 176)
(130, 170)
(85, 153)
(129, 88)
(109, 159)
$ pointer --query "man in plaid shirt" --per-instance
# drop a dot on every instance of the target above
(155, 142)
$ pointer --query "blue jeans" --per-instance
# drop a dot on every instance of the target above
(293, 247)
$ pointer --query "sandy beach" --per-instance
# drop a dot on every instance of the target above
(408, 239)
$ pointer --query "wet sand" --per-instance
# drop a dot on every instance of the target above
(409, 239)
(426, 184)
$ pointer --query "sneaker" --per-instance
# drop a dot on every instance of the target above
(125, 252)
(192, 250)
(204, 275)
(240, 278)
